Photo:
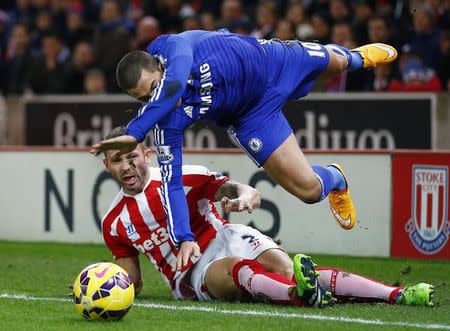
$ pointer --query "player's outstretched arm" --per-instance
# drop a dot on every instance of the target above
(133, 267)
(125, 144)
(237, 197)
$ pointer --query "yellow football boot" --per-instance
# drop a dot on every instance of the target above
(341, 204)
(375, 54)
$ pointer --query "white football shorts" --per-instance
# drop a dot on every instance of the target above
(232, 240)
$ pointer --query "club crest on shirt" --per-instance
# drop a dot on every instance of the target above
(163, 154)
(255, 145)
(429, 227)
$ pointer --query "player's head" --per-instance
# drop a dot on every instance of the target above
(130, 170)
(138, 73)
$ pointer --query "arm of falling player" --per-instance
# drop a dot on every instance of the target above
(178, 52)
(169, 144)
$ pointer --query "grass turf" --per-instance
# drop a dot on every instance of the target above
(45, 269)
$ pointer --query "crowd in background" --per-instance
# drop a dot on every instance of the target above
(73, 46)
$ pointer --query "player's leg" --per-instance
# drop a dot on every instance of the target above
(288, 166)
(277, 261)
(219, 279)
(273, 146)
(234, 278)
(346, 286)
(367, 56)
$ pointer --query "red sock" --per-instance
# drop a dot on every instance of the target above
(251, 277)
(346, 286)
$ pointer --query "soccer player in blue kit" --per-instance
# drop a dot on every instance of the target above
(240, 83)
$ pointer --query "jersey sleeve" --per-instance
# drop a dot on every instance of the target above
(178, 58)
(168, 144)
(215, 180)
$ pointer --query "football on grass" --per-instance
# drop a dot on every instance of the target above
(103, 290)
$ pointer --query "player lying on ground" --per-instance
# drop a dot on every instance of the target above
(241, 84)
(232, 262)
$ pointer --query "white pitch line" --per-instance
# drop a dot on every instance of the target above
(249, 313)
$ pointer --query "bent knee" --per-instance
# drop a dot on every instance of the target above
(284, 270)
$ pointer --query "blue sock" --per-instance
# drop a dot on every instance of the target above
(326, 180)
(339, 182)
(355, 60)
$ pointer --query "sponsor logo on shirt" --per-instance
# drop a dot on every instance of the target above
(205, 88)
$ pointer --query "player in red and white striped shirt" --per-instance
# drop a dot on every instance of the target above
(230, 261)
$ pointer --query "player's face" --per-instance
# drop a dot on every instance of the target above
(146, 85)
(129, 170)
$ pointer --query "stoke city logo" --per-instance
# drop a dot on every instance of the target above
(429, 226)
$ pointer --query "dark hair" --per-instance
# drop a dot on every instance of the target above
(129, 69)
(382, 18)
(118, 131)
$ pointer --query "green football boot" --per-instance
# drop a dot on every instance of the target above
(417, 295)
(308, 288)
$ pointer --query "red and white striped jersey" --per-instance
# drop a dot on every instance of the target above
(137, 224)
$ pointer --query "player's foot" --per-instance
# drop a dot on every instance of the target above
(417, 295)
(341, 204)
(375, 54)
(308, 289)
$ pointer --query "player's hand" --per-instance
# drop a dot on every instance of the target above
(125, 144)
(239, 204)
(187, 249)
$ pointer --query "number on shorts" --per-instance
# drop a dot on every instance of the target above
(314, 49)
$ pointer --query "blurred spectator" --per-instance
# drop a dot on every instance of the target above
(416, 77)
(192, 23)
(4, 21)
(443, 66)
(284, 31)
(378, 30)
(231, 12)
(241, 27)
(362, 13)
(425, 42)
(341, 34)
(147, 31)
(43, 22)
(83, 59)
(382, 77)
(46, 73)
(321, 28)
(59, 10)
(94, 82)
(77, 30)
(3, 121)
(208, 21)
(19, 58)
(266, 20)
(296, 16)
(170, 13)
(111, 41)
(21, 13)
(110, 26)
(339, 11)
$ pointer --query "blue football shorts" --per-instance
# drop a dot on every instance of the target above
(293, 67)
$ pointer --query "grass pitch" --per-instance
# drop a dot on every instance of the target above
(34, 276)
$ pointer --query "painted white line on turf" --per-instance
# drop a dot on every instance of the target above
(249, 313)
